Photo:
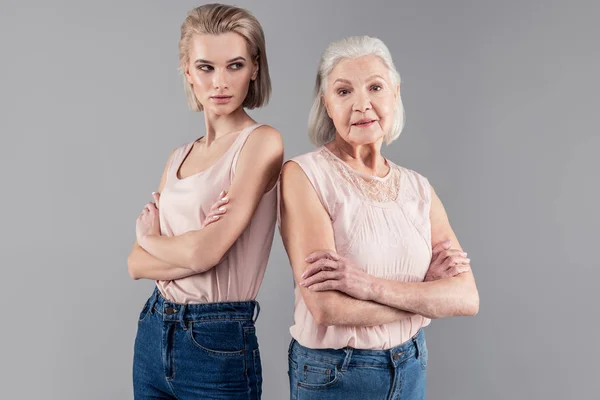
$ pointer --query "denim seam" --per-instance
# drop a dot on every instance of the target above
(254, 358)
(328, 385)
(335, 362)
(213, 352)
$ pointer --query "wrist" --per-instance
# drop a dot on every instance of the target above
(375, 288)
(144, 240)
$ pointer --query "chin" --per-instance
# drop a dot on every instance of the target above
(367, 139)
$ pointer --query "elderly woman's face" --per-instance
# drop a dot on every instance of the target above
(360, 99)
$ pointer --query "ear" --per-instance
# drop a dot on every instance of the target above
(255, 72)
(187, 74)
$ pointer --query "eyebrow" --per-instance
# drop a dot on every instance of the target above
(349, 83)
(240, 58)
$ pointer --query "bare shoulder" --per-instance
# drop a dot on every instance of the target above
(266, 139)
(293, 175)
(163, 178)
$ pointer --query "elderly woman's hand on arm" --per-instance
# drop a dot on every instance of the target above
(448, 289)
(305, 228)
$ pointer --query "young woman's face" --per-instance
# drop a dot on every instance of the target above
(360, 99)
(220, 71)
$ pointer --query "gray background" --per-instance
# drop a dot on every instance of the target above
(501, 100)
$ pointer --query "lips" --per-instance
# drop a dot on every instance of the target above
(363, 122)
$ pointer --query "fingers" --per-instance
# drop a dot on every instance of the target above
(149, 207)
(320, 265)
(441, 246)
(219, 206)
(320, 277)
(156, 197)
(451, 261)
(325, 286)
(210, 219)
(330, 254)
(458, 269)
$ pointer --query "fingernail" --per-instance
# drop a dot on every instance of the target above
(302, 283)
(225, 198)
(308, 259)
(468, 260)
(463, 254)
(303, 275)
(223, 209)
(216, 217)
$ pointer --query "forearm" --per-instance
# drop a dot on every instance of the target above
(447, 297)
(189, 251)
(336, 308)
(143, 265)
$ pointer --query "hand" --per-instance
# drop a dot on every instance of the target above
(447, 262)
(217, 210)
(148, 224)
(330, 271)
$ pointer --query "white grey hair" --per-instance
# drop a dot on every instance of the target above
(321, 129)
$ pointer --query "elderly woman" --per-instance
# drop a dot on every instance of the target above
(372, 251)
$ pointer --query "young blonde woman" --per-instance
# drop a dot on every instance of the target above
(206, 237)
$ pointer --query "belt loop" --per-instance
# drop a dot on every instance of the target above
(346, 362)
(417, 349)
(181, 320)
(257, 311)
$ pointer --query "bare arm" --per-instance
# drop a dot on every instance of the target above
(142, 264)
(306, 227)
(257, 170)
(455, 296)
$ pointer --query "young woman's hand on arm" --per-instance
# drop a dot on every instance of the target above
(306, 228)
(143, 265)
(257, 171)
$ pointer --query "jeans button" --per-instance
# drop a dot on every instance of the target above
(170, 310)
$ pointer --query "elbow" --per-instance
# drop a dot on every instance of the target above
(203, 261)
(324, 312)
(131, 267)
(322, 316)
(470, 306)
(473, 306)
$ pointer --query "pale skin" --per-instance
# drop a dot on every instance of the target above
(220, 69)
(360, 99)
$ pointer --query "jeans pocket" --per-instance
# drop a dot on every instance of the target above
(145, 311)
(316, 376)
(218, 338)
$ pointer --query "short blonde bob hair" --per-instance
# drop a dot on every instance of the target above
(321, 129)
(216, 19)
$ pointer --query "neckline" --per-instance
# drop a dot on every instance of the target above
(362, 174)
(190, 146)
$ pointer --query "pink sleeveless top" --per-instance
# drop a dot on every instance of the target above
(383, 225)
(184, 204)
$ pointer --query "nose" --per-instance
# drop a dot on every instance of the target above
(362, 101)
(220, 79)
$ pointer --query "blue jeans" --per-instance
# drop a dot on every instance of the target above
(349, 374)
(196, 351)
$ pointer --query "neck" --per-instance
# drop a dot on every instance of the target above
(365, 158)
(218, 126)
